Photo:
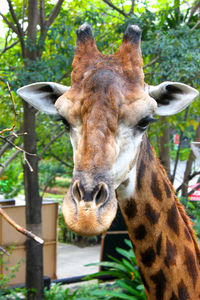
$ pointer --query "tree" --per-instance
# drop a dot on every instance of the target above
(32, 46)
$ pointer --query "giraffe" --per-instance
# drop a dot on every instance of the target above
(107, 110)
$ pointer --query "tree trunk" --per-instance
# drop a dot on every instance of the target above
(164, 150)
(34, 251)
(189, 165)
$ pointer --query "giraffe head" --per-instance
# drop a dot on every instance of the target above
(108, 109)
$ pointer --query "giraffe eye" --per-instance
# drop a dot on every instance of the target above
(144, 123)
(66, 124)
(64, 121)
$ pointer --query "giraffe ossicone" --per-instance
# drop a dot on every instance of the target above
(108, 108)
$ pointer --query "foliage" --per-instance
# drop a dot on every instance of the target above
(193, 210)
(128, 284)
(57, 292)
(8, 273)
(127, 274)
(11, 181)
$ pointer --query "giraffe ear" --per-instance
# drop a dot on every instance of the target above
(42, 95)
(172, 97)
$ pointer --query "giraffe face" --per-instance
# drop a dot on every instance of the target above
(107, 110)
(107, 117)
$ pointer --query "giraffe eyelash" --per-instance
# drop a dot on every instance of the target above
(65, 122)
(144, 122)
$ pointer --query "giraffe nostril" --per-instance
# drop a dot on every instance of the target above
(102, 193)
(76, 191)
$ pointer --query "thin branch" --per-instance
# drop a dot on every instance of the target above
(11, 138)
(42, 17)
(49, 180)
(19, 31)
(60, 160)
(54, 13)
(179, 147)
(4, 251)
(15, 146)
(10, 25)
(193, 175)
(8, 47)
(195, 26)
(19, 228)
(108, 2)
(23, 13)
(28, 163)
(194, 9)
(132, 7)
(15, 116)
(189, 178)
(193, 190)
(151, 62)
(21, 150)
(51, 142)
(14, 17)
(13, 156)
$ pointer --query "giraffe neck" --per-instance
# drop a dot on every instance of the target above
(164, 243)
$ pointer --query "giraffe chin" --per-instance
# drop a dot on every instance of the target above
(87, 218)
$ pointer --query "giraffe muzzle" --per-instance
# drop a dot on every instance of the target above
(90, 205)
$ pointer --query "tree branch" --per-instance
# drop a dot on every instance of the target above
(19, 228)
(13, 156)
(151, 62)
(54, 13)
(60, 160)
(11, 138)
(179, 146)
(10, 25)
(108, 2)
(51, 142)
(42, 17)
(4, 251)
(21, 150)
(14, 17)
(193, 190)
(194, 9)
(8, 47)
(195, 26)
(132, 7)
(15, 113)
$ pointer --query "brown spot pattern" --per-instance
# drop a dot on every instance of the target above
(140, 232)
(130, 209)
(140, 175)
(174, 297)
(159, 244)
(191, 265)
(157, 193)
(149, 150)
(182, 291)
(170, 258)
(160, 282)
(148, 257)
(172, 219)
(167, 189)
(151, 214)
(144, 280)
